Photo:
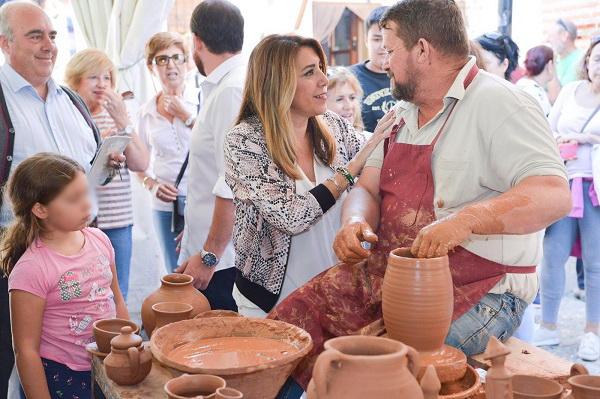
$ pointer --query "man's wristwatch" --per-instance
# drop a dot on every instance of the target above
(208, 258)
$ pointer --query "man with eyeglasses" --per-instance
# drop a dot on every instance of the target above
(206, 248)
(562, 38)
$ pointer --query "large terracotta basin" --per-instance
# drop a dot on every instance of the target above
(261, 381)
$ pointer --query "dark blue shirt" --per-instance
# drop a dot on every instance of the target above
(377, 98)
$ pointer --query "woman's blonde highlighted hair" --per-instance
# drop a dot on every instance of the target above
(87, 61)
(338, 76)
(269, 92)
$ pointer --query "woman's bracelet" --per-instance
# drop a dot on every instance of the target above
(344, 172)
(338, 188)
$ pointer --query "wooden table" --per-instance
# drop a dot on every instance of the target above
(524, 359)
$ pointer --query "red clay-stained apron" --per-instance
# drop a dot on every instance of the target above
(343, 299)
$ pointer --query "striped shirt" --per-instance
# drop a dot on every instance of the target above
(115, 207)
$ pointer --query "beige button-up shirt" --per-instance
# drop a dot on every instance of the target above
(496, 137)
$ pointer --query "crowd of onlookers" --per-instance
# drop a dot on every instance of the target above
(247, 183)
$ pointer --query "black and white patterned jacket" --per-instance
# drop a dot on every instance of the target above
(268, 211)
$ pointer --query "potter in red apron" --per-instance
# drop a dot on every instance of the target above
(345, 298)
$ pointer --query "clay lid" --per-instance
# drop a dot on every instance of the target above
(127, 339)
(495, 349)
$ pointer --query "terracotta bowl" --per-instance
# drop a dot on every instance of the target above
(585, 386)
(107, 329)
(464, 388)
(531, 387)
(192, 386)
(229, 393)
(262, 381)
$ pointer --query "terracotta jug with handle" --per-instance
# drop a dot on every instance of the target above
(358, 367)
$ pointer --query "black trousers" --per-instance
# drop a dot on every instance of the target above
(7, 356)
(219, 290)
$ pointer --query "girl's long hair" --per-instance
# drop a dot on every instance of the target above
(38, 179)
(269, 92)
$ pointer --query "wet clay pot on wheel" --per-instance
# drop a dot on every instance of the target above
(201, 386)
(417, 306)
(174, 287)
(128, 362)
(531, 387)
(358, 367)
(585, 386)
(170, 312)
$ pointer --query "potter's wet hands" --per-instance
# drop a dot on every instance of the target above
(442, 236)
(195, 267)
(347, 243)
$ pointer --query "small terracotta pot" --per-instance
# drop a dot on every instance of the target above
(105, 330)
(200, 386)
(218, 313)
(530, 387)
(229, 393)
(357, 367)
(585, 386)
(170, 312)
(175, 287)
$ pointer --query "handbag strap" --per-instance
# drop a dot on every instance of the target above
(182, 170)
(590, 118)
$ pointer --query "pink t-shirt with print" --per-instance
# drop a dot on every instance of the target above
(77, 293)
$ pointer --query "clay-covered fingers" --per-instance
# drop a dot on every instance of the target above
(347, 244)
(440, 237)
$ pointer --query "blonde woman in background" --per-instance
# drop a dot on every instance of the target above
(165, 126)
(343, 96)
(93, 76)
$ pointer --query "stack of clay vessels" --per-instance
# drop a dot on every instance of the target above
(174, 287)
(357, 367)
(128, 362)
(200, 386)
(417, 311)
(107, 329)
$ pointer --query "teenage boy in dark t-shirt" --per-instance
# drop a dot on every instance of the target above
(374, 80)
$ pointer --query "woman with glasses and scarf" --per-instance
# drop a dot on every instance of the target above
(500, 54)
(575, 121)
(165, 125)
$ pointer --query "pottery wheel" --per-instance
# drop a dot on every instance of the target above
(450, 363)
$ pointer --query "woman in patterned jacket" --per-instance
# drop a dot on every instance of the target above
(289, 163)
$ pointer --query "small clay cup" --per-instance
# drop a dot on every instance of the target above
(585, 386)
(200, 386)
(229, 393)
(530, 387)
(105, 330)
(170, 312)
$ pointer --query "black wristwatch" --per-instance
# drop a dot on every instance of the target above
(208, 258)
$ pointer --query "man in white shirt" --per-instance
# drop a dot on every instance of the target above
(206, 248)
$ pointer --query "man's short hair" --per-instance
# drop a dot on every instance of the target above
(374, 17)
(440, 22)
(220, 25)
(569, 27)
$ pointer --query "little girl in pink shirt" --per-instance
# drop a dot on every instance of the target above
(62, 277)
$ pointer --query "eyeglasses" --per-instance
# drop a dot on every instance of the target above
(162, 60)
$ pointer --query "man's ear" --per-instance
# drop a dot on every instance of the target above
(198, 44)
(423, 49)
(4, 44)
(40, 211)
